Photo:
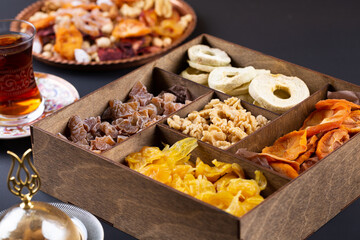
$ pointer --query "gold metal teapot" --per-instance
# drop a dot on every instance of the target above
(32, 220)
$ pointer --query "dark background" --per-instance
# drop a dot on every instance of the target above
(321, 35)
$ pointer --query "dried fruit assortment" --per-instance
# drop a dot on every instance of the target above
(222, 185)
(100, 30)
(219, 123)
(212, 67)
(327, 128)
(123, 119)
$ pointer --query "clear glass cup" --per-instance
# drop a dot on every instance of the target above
(20, 98)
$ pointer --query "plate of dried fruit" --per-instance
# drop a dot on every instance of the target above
(103, 34)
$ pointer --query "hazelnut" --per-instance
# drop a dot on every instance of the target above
(103, 42)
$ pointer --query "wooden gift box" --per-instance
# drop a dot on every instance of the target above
(147, 209)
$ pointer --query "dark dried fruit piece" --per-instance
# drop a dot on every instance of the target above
(107, 54)
(90, 122)
(102, 143)
(125, 126)
(121, 138)
(124, 109)
(182, 93)
(109, 129)
(170, 107)
(77, 130)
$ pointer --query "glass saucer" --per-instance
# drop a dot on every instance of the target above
(57, 94)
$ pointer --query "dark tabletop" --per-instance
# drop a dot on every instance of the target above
(322, 35)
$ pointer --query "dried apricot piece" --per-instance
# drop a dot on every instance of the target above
(169, 28)
(199, 185)
(247, 187)
(222, 183)
(126, 28)
(44, 22)
(331, 141)
(220, 199)
(67, 40)
(239, 208)
(182, 169)
(352, 122)
(149, 17)
(159, 172)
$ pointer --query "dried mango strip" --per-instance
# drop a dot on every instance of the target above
(147, 155)
(352, 122)
(331, 141)
(221, 185)
(179, 151)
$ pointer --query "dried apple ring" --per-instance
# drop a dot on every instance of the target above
(278, 93)
(202, 67)
(205, 55)
(195, 75)
(230, 80)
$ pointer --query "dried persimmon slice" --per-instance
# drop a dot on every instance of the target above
(287, 147)
(311, 146)
(285, 169)
(352, 122)
(331, 141)
(326, 119)
(334, 103)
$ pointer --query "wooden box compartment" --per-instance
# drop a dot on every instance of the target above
(147, 209)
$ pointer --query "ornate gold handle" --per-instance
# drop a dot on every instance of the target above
(31, 182)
